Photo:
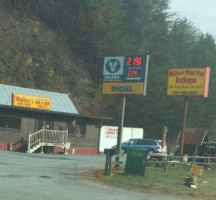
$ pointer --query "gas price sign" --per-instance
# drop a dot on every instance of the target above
(125, 75)
(135, 68)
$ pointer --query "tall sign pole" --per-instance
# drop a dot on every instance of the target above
(125, 75)
(187, 82)
(184, 126)
(120, 131)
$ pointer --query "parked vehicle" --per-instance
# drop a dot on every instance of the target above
(206, 149)
(211, 149)
(151, 145)
(109, 134)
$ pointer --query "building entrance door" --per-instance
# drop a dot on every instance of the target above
(46, 124)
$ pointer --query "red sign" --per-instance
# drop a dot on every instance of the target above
(134, 61)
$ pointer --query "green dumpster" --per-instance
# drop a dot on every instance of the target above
(136, 162)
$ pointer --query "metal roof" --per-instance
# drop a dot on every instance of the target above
(60, 102)
(194, 136)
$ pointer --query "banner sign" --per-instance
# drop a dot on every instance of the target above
(34, 102)
(188, 82)
(125, 75)
(111, 132)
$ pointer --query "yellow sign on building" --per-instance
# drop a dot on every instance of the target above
(188, 82)
(26, 101)
(123, 88)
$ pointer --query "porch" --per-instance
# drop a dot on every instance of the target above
(46, 137)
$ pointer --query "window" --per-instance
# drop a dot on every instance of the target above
(139, 142)
(148, 142)
(128, 142)
(9, 122)
(135, 142)
(77, 127)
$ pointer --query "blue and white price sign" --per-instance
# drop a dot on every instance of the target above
(125, 75)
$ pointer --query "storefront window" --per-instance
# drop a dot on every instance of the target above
(9, 122)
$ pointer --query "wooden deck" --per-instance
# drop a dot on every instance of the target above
(45, 137)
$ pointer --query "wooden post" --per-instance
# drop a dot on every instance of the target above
(66, 136)
(43, 135)
(29, 142)
(166, 165)
(195, 153)
(209, 160)
(42, 149)
(183, 127)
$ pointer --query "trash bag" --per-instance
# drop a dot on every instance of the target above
(191, 181)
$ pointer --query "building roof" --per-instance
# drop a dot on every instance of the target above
(60, 102)
(194, 136)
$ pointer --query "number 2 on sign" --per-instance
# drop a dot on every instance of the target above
(129, 61)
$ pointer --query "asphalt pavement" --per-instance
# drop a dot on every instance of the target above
(57, 177)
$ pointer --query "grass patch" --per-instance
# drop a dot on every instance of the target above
(155, 181)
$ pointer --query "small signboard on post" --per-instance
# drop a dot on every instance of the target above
(196, 170)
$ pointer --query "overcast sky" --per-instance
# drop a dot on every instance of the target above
(201, 12)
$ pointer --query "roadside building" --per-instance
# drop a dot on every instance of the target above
(195, 141)
(24, 111)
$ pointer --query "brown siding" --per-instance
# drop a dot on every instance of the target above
(27, 125)
(14, 135)
(9, 135)
(59, 125)
(89, 140)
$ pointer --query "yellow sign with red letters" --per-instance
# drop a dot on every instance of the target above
(188, 82)
(196, 170)
(27, 101)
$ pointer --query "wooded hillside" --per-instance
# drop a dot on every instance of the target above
(60, 45)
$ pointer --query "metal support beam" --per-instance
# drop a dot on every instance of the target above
(120, 131)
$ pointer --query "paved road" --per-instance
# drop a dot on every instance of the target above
(56, 177)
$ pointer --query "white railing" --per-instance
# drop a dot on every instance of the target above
(54, 136)
(45, 137)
